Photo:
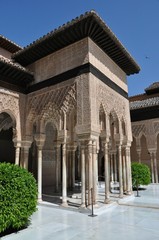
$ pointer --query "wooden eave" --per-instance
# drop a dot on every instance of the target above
(11, 74)
(87, 25)
(8, 45)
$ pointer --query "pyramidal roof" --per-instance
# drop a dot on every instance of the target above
(153, 88)
(86, 25)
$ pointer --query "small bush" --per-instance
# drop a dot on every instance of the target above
(140, 174)
(18, 196)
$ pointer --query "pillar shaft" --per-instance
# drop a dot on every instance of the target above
(26, 156)
(155, 168)
(39, 173)
(17, 155)
(120, 172)
(115, 168)
(83, 179)
(95, 171)
(57, 167)
(139, 155)
(124, 172)
(128, 170)
(64, 176)
(106, 172)
(152, 168)
(90, 177)
(111, 167)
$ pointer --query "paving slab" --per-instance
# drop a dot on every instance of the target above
(122, 222)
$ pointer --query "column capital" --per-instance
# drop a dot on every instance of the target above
(152, 150)
(71, 147)
(57, 144)
(62, 135)
(40, 139)
(26, 144)
(127, 144)
(17, 143)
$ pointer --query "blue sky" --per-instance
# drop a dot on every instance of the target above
(135, 23)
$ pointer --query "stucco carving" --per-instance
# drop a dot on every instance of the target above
(148, 128)
(9, 101)
(156, 127)
(49, 104)
(138, 129)
(111, 101)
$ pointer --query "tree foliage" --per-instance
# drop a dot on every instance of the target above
(18, 196)
(140, 174)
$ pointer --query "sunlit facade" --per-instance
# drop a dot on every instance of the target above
(64, 109)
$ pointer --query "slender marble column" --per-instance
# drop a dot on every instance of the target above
(152, 168)
(120, 172)
(83, 179)
(112, 167)
(39, 173)
(90, 179)
(86, 175)
(155, 168)
(64, 176)
(69, 166)
(115, 168)
(95, 171)
(73, 167)
(26, 156)
(124, 172)
(57, 166)
(106, 172)
(17, 155)
(139, 155)
(40, 139)
(128, 170)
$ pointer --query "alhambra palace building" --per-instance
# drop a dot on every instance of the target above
(65, 114)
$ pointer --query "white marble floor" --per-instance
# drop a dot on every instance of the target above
(120, 222)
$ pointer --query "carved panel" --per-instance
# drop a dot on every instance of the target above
(138, 129)
(156, 127)
(9, 101)
(49, 103)
(83, 102)
(111, 100)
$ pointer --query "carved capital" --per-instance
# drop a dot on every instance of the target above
(40, 139)
(26, 144)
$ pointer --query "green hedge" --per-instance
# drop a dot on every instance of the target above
(18, 196)
(140, 174)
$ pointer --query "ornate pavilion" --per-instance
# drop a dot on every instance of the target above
(64, 108)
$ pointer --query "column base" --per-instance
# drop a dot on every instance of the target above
(94, 205)
(106, 201)
(40, 200)
(128, 193)
(64, 204)
(83, 205)
(121, 195)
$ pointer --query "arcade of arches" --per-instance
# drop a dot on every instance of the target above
(57, 153)
(145, 145)
(145, 129)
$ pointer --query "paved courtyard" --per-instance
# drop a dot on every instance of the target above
(134, 219)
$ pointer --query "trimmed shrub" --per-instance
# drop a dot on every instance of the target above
(18, 196)
(140, 174)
